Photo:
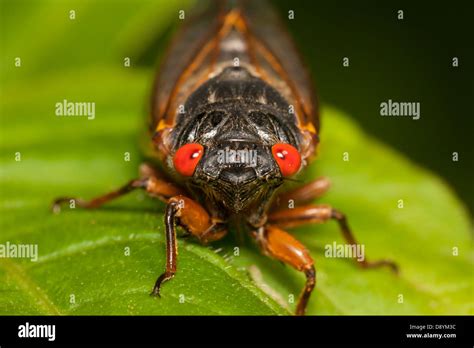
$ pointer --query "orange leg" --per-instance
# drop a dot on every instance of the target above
(320, 213)
(194, 219)
(149, 180)
(155, 187)
(180, 209)
(282, 246)
(302, 194)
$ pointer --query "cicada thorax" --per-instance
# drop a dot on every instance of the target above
(244, 47)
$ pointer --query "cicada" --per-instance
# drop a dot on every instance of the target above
(234, 117)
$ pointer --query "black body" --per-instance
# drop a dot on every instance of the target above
(240, 112)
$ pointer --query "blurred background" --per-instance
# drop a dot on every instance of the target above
(402, 60)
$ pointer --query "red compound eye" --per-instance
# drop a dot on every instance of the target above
(287, 157)
(187, 157)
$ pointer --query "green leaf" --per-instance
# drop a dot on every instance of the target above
(82, 254)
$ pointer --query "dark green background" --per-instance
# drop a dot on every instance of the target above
(407, 60)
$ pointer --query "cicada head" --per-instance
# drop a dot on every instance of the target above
(239, 142)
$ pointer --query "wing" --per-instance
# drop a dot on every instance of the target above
(277, 55)
(185, 55)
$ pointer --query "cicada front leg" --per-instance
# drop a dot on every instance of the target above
(179, 210)
(190, 215)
